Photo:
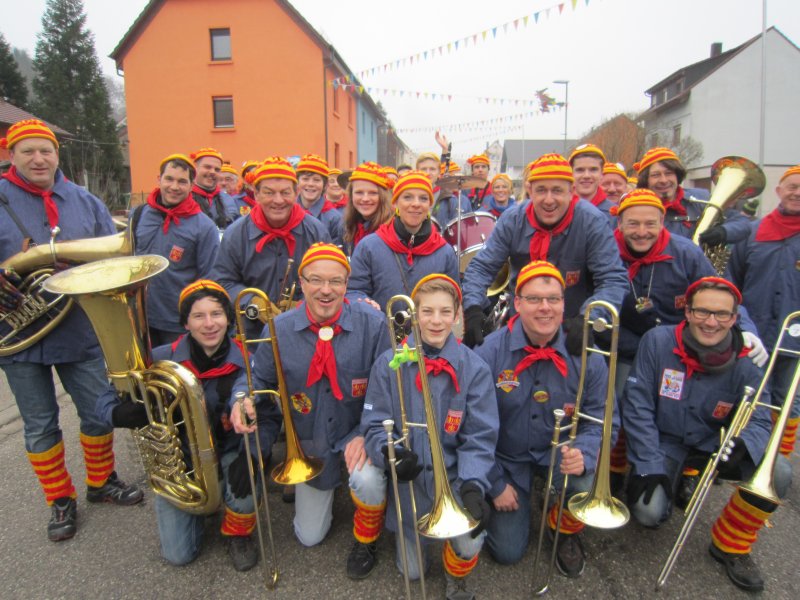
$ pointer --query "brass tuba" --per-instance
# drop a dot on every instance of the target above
(39, 313)
(447, 519)
(735, 178)
(112, 293)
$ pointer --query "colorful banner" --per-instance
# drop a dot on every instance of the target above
(474, 125)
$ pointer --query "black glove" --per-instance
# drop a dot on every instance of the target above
(635, 321)
(573, 327)
(239, 475)
(10, 296)
(730, 469)
(473, 326)
(639, 485)
(716, 236)
(407, 464)
(475, 502)
(129, 414)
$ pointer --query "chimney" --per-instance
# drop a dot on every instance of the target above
(716, 49)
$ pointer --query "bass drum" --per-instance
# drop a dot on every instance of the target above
(475, 230)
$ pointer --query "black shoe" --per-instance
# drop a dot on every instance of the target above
(287, 495)
(570, 557)
(63, 520)
(457, 588)
(686, 490)
(243, 552)
(361, 560)
(741, 569)
(115, 491)
(617, 483)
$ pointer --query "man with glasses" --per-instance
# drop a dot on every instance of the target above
(255, 250)
(684, 387)
(534, 374)
(327, 347)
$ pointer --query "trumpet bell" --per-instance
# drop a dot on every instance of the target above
(603, 513)
(296, 470)
(446, 520)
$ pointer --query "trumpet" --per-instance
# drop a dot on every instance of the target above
(596, 508)
(446, 519)
(296, 468)
(761, 483)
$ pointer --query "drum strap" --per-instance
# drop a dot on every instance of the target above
(28, 238)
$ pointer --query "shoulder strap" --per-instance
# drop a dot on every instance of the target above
(25, 233)
(402, 273)
(136, 216)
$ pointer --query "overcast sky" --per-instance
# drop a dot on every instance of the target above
(610, 51)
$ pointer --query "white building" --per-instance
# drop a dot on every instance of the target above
(717, 102)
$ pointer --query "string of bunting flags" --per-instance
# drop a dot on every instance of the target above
(474, 39)
(473, 125)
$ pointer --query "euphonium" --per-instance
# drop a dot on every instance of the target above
(735, 178)
(40, 313)
(596, 508)
(761, 483)
(112, 294)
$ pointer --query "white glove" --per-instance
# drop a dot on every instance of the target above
(758, 353)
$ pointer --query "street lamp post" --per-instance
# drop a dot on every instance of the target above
(565, 83)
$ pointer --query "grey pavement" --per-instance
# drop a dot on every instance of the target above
(115, 553)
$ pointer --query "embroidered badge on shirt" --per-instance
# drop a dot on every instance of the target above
(301, 403)
(358, 387)
(680, 301)
(176, 254)
(671, 384)
(722, 409)
(244, 210)
(453, 421)
(541, 396)
(572, 278)
(507, 381)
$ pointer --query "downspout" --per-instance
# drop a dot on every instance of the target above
(326, 62)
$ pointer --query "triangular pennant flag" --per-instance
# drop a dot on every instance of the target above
(587, 2)
(516, 23)
(450, 46)
(360, 90)
(483, 34)
(475, 38)
(525, 20)
(505, 27)
(425, 55)
(574, 2)
(456, 43)
(536, 17)
(560, 8)
(335, 84)
(450, 97)
(494, 32)
(433, 96)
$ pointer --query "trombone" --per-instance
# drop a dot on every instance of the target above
(296, 468)
(596, 508)
(762, 482)
(446, 519)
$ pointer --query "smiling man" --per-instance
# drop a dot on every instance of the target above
(172, 225)
(552, 225)
(255, 250)
(208, 194)
(327, 348)
(684, 387)
(587, 162)
(614, 182)
(312, 177)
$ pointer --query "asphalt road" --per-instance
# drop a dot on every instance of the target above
(115, 553)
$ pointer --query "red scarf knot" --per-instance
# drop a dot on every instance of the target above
(324, 360)
(277, 233)
(435, 366)
(691, 363)
(387, 233)
(536, 354)
(185, 208)
(540, 240)
(598, 198)
(676, 206)
(50, 208)
(777, 226)
(359, 234)
(249, 198)
(654, 255)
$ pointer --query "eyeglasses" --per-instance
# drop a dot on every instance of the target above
(537, 300)
(722, 316)
(318, 282)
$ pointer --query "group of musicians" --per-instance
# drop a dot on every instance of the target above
(331, 253)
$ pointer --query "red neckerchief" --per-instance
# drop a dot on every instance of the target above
(534, 354)
(540, 240)
(50, 208)
(387, 233)
(326, 206)
(777, 226)
(324, 361)
(185, 208)
(281, 233)
(249, 199)
(224, 369)
(196, 189)
(598, 198)
(435, 366)
(677, 206)
(359, 234)
(692, 364)
(487, 189)
(654, 255)
(341, 203)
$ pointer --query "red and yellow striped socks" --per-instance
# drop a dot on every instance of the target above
(98, 453)
(454, 564)
(736, 529)
(51, 470)
(237, 524)
(367, 520)
(789, 434)
(569, 524)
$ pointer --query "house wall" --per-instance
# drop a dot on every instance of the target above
(367, 134)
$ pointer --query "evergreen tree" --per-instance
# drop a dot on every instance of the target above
(70, 92)
(12, 83)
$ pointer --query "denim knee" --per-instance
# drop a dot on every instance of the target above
(313, 514)
(369, 484)
(180, 533)
(507, 535)
(655, 512)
